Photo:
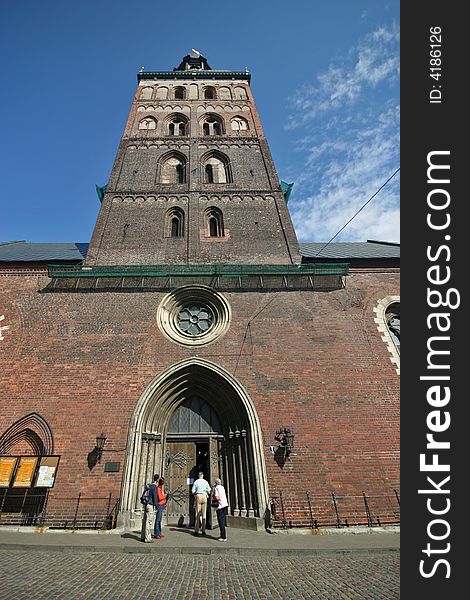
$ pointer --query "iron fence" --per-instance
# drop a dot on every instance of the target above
(37, 508)
(335, 510)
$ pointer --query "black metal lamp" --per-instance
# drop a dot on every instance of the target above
(286, 438)
(100, 441)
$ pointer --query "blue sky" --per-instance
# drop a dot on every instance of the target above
(325, 76)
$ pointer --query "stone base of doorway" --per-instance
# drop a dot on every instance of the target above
(251, 523)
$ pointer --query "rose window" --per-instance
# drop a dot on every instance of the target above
(195, 319)
(194, 315)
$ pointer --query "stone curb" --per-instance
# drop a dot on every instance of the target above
(242, 552)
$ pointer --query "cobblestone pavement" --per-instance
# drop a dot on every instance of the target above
(41, 575)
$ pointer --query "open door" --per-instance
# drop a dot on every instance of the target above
(215, 471)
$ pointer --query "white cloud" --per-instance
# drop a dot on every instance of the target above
(372, 61)
(349, 146)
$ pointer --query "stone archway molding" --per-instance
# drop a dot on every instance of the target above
(153, 410)
(33, 429)
(381, 322)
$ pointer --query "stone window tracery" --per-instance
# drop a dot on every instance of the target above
(173, 168)
(148, 123)
(177, 125)
(194, 416)
(239, 124)
(212, 125)
(216, 168)
(387, 319)
(194, 315)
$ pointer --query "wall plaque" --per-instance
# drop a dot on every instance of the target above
(112, 467)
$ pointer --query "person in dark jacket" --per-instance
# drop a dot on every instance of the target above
(150, 513)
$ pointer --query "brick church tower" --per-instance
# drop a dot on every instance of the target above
(193, 333)
(193, 180)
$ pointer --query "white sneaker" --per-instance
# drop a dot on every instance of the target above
(222, 540)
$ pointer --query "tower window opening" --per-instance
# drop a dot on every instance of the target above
(173, 169)
(209, 174)
(148, 123)
(213, 227)
(212, 125)
(214, 222)
(180, 93)
(174, 223)
(239, 124)
(175, 227)
(209, 93)
(216, 168)
(179, 173)
(177, 125)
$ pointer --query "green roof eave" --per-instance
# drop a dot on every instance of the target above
(194, 75)
(195, 270)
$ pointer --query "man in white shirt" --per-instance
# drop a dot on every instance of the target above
(201, 490)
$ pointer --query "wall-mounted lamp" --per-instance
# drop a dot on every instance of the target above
(100, 442)
(286, 438)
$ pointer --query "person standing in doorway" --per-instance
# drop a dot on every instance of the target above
(201, 490)
(161, 496)
(221, 497)
(150, 512)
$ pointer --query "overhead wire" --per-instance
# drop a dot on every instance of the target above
(356, 213)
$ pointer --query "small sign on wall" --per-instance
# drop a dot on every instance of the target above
(47, 471)
(112, 467)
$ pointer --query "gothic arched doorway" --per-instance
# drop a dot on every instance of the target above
(195, 416)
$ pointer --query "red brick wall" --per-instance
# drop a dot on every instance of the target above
(312, 361)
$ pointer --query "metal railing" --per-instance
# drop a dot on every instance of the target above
(335, 510)
(188, 270)
(38, 508)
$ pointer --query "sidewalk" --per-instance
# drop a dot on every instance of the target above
(181, 541)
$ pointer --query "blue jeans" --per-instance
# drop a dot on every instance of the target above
(221, 519)
(158, 520)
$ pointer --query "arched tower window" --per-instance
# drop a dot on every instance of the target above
(209, 93)
(239, 93)
(180, 93)
(173, 168)
(239, 124)
(212, 125)
(174, 223)
(146, 93)
(177, 125)
(216, 168)
(214, 222)
(148, 123)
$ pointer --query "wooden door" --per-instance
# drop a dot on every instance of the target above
(180, 461)
(215, 471)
